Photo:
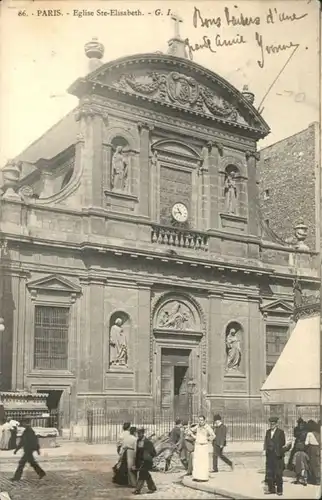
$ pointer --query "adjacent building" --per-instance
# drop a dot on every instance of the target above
(134, 258)
(289, 187)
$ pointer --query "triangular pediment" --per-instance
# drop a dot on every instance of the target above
(278, 306)
(54, 283)
(174, 83)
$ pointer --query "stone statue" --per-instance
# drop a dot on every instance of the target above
(231, 193)
(176, 318)
(119, 170)
(297, 291)
(233, 350)
(118, 345)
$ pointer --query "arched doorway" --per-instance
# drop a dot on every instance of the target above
(177, 338)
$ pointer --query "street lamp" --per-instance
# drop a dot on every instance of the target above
(191, 388)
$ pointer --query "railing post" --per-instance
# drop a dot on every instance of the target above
(90, 418)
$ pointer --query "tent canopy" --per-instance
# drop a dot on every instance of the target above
(295, 378)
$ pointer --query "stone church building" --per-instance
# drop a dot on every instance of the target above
(134, 260)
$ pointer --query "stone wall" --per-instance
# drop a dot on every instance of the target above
(288, 173)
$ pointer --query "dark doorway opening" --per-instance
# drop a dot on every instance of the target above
(175, 370)
(53, 402)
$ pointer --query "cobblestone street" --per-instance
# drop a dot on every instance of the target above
(89, 480)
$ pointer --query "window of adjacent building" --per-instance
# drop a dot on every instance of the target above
(51, 338)
(276, 338)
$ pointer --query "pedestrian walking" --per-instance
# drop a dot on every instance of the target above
(29, 442)
(187, 448)
(175, 443)
(219, 444)
(200, 463)
(145, 453)
(275, 449)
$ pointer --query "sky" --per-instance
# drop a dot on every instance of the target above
(42, 55)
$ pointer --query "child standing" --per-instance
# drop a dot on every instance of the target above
(301, 464)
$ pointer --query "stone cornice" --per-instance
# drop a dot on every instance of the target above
(218, 266)
(175, 124)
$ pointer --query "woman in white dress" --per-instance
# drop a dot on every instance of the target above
(200, 464)
(129, 446)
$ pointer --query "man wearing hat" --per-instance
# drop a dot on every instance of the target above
(274, 449)
(145, 453)
(29, 442)
(219, 443)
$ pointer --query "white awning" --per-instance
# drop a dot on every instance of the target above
(295, 378)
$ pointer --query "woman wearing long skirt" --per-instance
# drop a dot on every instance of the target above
(5, 435)
(129, 445)
(200, 463)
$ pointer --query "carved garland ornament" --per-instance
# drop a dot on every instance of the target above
(179, 89)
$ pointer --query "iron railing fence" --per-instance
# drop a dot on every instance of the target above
(54, 418)
(105, 426)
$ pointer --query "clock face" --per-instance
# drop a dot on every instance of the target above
(180, 212)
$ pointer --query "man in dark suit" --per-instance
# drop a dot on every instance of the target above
(145, 453)
(219, 443)
(175, 442)
(275, 449)
(29, 443)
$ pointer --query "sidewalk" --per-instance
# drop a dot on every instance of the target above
(76, 450)
(247, 484)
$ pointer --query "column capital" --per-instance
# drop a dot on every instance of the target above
(146, 125)
(252, 154)
(215, 144)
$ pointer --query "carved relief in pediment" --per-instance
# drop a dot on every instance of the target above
(178, 89)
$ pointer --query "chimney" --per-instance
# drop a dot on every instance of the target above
(94, 50)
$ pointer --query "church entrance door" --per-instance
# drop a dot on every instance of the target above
(175, 370)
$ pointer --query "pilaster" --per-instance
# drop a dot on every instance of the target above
(96, 331)
(145, 130)
(143, 352)
(215, 350)
(252, 192)
(215, 152)
(92, 127)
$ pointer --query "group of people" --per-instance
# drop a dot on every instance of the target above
(191, 443)
(136, 453)
(304, 458)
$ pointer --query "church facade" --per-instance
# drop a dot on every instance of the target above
(134, 259)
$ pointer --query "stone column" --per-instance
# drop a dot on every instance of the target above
(215, 152)
(203, 191)
(145, 130)
(252, 192)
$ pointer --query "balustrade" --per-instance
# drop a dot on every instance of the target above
(179, 238)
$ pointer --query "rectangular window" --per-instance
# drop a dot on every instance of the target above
(276, 338)
(51, 338)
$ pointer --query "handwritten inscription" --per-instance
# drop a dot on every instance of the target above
(233, 18)
(272, 49)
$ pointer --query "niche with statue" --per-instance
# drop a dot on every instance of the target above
(119, 336)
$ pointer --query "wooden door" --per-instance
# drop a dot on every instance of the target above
(166, 385)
